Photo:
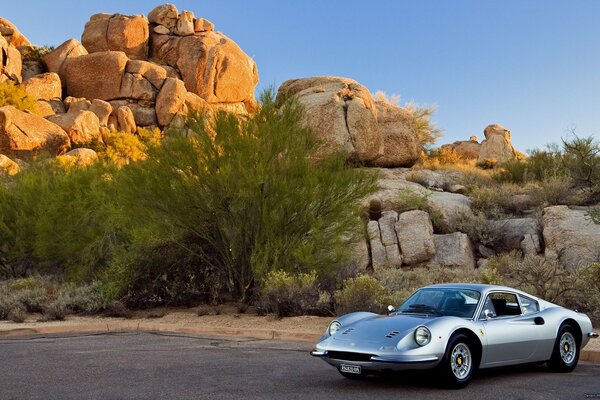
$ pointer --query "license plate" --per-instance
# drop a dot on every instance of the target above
(351, 369)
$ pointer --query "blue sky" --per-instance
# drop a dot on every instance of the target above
(532, 66)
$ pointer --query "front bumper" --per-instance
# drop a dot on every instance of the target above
(384, 363)
(592, 335)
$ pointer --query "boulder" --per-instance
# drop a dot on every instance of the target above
(511, 233)
(170, 101)
(125, 120)
(203, 25)
(106, 32)
(82, 127)
(211, 65)
(415, 235)
(165, 15)
(143, 115)
(497, 146)
(97, 75)
(82, 157)
(451, 206)
(14, 37)
(570, 237)
(135, 86)
(454, 250)
(10, 62)
(341, 114)
(56, 60)
(465, 149)
(44, 87)
(23, 135)
(161, 30)
(185, 24)
(154, 73)
(43, 108)
(102, 109)
(378, 253)
(8, 166)
(389, 239)
(31, 68)
(197, 104)
(398, 129)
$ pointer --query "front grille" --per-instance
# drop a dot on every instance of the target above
(348, 356)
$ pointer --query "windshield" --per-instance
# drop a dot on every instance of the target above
(442, 302)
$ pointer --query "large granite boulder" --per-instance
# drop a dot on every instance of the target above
(44, 86)
(97, 75)
(56, 60)
(571, 237)
(13, 36)
(415, 235)
(11, 64)
(465, 149)
(497, 146)
(454, 250)
(398, 128)
(341, 114)
(83, 127)
(170, 101)
(116, 32)
(23, 135)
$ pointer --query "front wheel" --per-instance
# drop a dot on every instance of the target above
(458, 364)
(565, 354)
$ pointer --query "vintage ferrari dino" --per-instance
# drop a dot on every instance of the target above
(456, 329)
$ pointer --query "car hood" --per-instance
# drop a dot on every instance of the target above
(380, 328)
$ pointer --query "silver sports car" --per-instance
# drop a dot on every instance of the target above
(456, 329)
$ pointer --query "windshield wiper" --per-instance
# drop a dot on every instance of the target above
(421, 309)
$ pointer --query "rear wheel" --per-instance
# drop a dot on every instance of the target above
(458, 364)
(565, 354)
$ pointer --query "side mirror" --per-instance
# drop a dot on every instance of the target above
(390, 309)
(488, 314)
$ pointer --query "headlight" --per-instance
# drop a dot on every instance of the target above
(422, 336)
(334, 327)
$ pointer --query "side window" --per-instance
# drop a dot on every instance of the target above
(501, 304)
(528, 305)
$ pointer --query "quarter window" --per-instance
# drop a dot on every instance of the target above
(528, 305)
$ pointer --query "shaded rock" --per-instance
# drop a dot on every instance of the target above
(398, 129)
(8, 166)
(135, 86)
(170, 101)
(530, 245)
(143, 115)
(82, 127)
(511, 232)
(341, 114)
(415, 235)
(106, 32)
(102, 109)
(31, 68)
(459, 189)
(161, 30)
(23, 135)
(43, 108)
(482, 263)
(211, 65)
(485, 251)
(44, 87)
(451, 206)
(56, 60)
(96, 76)
(125, 120)
(14, 36)
(454, 250)
(570, 237)
(378, 253)
(10, 62)
(386, 226)
(82, 157)
(165, 15)
(197, 104)
(393, 256)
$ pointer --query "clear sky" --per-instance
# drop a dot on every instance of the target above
(530, 65)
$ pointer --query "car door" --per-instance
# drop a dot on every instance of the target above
(510, 336)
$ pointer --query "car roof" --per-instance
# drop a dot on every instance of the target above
(480, 287)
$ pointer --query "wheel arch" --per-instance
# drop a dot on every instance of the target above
(473, 339)
(575, 325)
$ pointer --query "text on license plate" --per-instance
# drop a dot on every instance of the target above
(351, 369)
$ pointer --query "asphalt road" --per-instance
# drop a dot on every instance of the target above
(153, 366)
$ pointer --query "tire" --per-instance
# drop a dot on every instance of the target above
(458, 365)
(565, 354)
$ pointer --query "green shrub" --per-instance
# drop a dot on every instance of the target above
(479, 230)
(552, 190)
(513, 171)
(409, 200)
(12, 94)
(35, 53)
(250, 196)
(363, 293)
(582, 159)
(293, 294)
(17, 314)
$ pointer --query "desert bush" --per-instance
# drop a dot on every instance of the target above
(479, 230)
(513, 171)
(593, 214)
(443, 156)
(12, 94)
(35, 53)
(250, 195)
(582, 159)
(363, 293)
(552, 190)
(293, 294)
(56, 310)
(494, 201)
(17, 314)
(409, 200)
(123, 148)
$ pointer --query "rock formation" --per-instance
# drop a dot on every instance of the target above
(497, 147)
(465, 149)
